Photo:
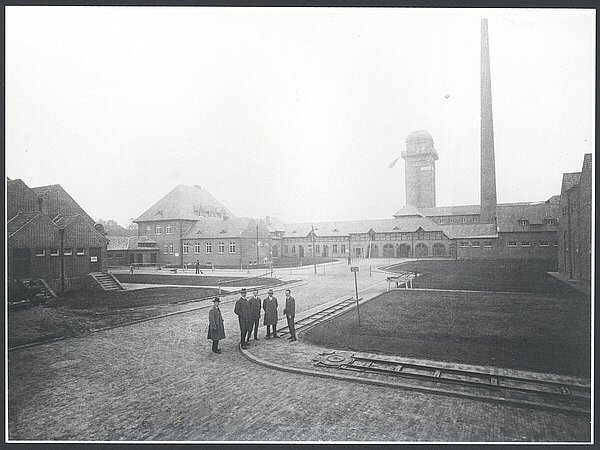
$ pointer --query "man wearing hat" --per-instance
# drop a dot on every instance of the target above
(242, 309)
(216, 330)
(270, 307)
(255, 305)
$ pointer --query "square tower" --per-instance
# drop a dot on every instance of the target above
(419, 161)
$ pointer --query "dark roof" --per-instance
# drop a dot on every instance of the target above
(475, 230)
(554, 200)
(122, 243)
(274, 223)
(64, 220)
(464, 210)
(509, 215)
(19, 221)
(401, 224)
(214, 228)
(569, 180)
(185, 202)
(40, 191)
(409, 211)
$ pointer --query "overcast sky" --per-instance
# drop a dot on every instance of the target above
(291, 112)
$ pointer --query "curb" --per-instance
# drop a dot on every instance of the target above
(399, 385)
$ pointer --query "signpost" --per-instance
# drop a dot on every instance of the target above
(355, 269)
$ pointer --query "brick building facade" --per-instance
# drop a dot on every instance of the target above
(575, 233)
(49, 235)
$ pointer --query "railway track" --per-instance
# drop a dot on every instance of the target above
(539, 390)
(321, 316)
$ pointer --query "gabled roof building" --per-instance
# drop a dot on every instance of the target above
(50, 236)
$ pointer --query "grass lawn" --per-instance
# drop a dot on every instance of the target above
(194, 280)
(530, 332)
(499, 275)
(77, 315)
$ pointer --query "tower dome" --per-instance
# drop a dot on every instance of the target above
(419, 135)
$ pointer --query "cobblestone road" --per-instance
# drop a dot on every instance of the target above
(158, 380)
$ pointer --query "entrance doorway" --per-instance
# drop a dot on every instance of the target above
(21, 263)
(403, 250)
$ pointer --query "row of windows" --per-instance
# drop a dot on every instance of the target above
(334, 248)
(461, 220)
(158, 229)
(547, 221)
(168, 249)
(56, 252)
(487, 244)
(528, 243)
(476, 244)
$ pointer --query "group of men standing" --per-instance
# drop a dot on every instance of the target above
(249, 312)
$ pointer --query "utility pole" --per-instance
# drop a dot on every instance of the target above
(257, 245)
(62, 260)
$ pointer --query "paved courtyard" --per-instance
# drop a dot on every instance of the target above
(158, 380)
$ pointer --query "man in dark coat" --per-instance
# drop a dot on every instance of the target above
(270, 307)
(290, 313)
(242, 309)
(255, 305)
(216, 330)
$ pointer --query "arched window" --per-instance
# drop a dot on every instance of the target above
(421, 250)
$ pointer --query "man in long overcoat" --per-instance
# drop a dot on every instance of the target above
(290, 313)
(270, 307)
(242, 309)
(216, 330)
(255, 305)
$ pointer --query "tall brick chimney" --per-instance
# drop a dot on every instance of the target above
(488, 164)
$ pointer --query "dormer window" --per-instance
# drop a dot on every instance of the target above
(523, 222)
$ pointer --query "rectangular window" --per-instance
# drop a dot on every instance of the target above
(40, 252)
(221, 247)
(475, 244)
(475, 219)
(148, 229)
(186, 249)
(209, 247)
(451, 220)
(464, 244)
(168, 229)
(488, 244)
(158, 229)
(53, 252)
(343, 250)
(544, 243)
(512, 243)
(120, 255)
(80, 251)
(170, 249)
(555, 243)
(285, 249)
(335, 249)
(463, 220)
(524, 243)
(317, 249)
(68, 251)
(197, 248)
(166, 249)
(232, 247)
(294, 249)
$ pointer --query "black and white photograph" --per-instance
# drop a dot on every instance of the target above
(281, 225)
